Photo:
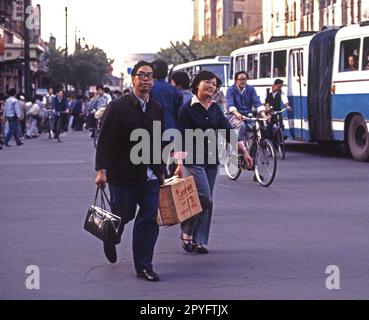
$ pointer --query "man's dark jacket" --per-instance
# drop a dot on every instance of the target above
(120, 119)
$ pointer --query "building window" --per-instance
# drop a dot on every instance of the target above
(306, 7)
(238, 19)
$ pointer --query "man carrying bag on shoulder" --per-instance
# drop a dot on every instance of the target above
(132, 184)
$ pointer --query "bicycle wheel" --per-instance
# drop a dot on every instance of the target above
(50, 123)
(96, 137)
(58, 129)
(231, 166)
(280, 144)
(265, 163)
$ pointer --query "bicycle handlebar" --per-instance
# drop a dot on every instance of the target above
(254, 118)
(277, 112)
(281, 111)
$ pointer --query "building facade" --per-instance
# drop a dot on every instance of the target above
(290, 17)
(12, 46)
(212, 18)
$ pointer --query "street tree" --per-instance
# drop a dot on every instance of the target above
(88, 67)
(59, 67)
(232, 39)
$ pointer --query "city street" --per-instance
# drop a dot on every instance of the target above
(265, 243)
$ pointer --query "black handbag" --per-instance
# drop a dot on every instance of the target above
(102, 223)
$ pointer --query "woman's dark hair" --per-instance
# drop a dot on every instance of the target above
(99, 87)
(140, 64)
(201, 76)
(182, 79)
(219, 82)
(160, 69)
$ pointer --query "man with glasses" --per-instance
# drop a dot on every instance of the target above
(242, 100)
(132, 184)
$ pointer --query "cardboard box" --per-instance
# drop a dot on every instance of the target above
(178, 201)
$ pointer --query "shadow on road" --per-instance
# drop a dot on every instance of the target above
(326, 149)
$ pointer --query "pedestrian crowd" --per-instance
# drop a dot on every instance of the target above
(23, 119)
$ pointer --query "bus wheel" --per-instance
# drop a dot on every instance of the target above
(358, 138)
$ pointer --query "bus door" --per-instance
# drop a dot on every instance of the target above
(297, 94)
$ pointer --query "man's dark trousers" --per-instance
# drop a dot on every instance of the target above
(124, 200)
(13, 131)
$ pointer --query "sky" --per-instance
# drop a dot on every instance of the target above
(119, 27)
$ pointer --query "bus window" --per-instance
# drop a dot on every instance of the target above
(366, 54)
(349, 55)
(279, 63)
(217, 69)
(252, 66)
(302, 64)
(265, 65)
(240, 63)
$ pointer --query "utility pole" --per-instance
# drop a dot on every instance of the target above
(27, 73)
(66, 45)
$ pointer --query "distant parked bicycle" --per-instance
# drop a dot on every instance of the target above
(261, 150)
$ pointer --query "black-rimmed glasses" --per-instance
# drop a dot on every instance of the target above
(142, 75)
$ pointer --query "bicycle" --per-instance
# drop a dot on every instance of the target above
(50, 123)
(261, 151)
(278, 132)
(96, 131)
(57, 118)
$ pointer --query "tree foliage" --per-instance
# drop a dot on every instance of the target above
(59, 70)
(233, 39)
(84, 68)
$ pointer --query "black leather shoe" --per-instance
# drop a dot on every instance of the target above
(187, 245)
(148, 275)
(8, 145)
(110, 252)
(20, 144)
(199, 248)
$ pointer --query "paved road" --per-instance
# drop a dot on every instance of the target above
(272, 243)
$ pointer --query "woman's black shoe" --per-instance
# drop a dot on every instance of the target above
(110, 252)
(199, 248)
(187, 245)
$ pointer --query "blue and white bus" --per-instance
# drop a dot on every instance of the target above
(218, 65)
(330, 100)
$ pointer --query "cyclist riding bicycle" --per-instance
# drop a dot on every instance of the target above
(60, 108)
(276, 98)
(100, 100)
(241, 101)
